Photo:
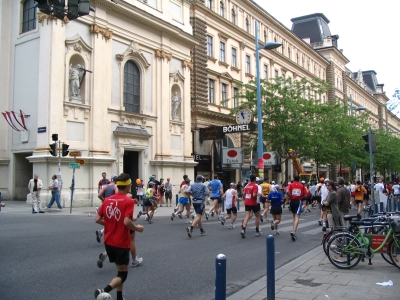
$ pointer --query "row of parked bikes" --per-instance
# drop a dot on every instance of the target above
(363, 238)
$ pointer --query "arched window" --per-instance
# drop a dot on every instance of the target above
(28, 16)
(131, 87)
(221, 9)
(247, 25)
(233, 16)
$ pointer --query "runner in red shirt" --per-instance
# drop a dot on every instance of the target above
(296, 192)
(116, 215)
(251, 205)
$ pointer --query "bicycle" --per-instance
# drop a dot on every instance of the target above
(345, 250)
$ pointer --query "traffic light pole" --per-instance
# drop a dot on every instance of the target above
(371, 166)
(60, 183)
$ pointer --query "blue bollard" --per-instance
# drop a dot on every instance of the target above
(220, 277)
(270, 267)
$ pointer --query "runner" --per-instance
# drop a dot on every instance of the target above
(103, 182)
(150, 199)
(183, 202)
(276, 199)
(116, 214)
(296, 191)
(199, 191)
(265, 190)
(230, 197)
(216, 192)
(251, 206)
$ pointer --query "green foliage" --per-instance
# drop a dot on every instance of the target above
(386, 158)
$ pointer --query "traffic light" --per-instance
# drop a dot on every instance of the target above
(64, 148)
(57, 8)
(54, 137)
(370, 143)
(53, 149)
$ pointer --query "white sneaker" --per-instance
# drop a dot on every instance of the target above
(259, 233)
(188, 221)
(231, 226)
(59, 209)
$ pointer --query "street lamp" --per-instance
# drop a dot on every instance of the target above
(267, 46)
(360, 108)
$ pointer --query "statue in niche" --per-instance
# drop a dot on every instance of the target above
(75, 79)
(176, 102)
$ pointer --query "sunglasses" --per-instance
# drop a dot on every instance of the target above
(327, 184)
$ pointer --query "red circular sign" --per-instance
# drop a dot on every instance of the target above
(267, 156)
(232, 153)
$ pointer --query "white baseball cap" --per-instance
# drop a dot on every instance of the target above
(273, 182)
(257, 179)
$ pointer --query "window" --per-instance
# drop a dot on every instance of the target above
(283, 76)
(289, 53)
(211, 91)
(265, 36)
(235, 97)
(131, 87)
(283, 49)
(276, 73)
(223, 95)
(209, 45)
(247, 25)
(233, 16)
(298, 59)
(248, 64)
(28, 16)
(222, 51)
(302, 63)
(234, 64)
(266, 72)
(209, 4)
(221, 9)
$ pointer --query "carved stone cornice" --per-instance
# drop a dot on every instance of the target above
(76, 108)
(187, 64)
(163, 54)
(105, 32)
(223, 37)
(41, 17)
(242, 45)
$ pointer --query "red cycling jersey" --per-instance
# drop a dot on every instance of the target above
(296, 190)
(249, 191)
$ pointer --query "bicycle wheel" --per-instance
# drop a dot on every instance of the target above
(386, 257)
(326, 240)
(394, 252)
(340, 253)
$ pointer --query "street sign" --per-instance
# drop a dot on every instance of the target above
(74, 165)
(74, 153)
(81, 161)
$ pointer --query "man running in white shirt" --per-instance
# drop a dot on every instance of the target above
(230, 197)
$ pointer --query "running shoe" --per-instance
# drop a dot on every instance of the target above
(309, 210)
(261, 218)
(97, 292)
(323, 228)
(193, 217)
(189, 232)
(98, 236)
(259, 233)
(175, 209)
(273, 225)
(294, 236)
(139, 214)
(102, 258)
(223, 219)
(203, 233)
(146, 217)
(151, 222)
(172, 217)
(207, 215)
(231, 226)
(191, 211)
(180, 216)
(212, 214)
(277, 233)
(137, 262)
(188, 221)
(243, 234)
(266, 221)
(320, 222)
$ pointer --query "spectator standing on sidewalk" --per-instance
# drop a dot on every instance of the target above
(116, 215)
(35, 185)
(198, 190)
(168, 192)
(55, 194)
(296, 192)
(343, 197)
(333, 214)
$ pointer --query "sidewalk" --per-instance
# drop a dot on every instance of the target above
(312, 276)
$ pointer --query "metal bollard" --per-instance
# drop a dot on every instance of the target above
(270, 267)
(220, 277)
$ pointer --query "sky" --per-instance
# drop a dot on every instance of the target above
(367, 32)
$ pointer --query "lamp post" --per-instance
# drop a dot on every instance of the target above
(360, 108)
(267, 46)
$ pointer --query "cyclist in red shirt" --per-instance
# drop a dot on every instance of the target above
(296, 192)
(116, 214)
(251, 205)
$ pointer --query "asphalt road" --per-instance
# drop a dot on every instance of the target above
(53, 256)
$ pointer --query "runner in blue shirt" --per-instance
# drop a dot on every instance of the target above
(276, 199)
(216, 192)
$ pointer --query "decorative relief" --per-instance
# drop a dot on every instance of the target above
(242, 45)
(132, 120)
(133, 51)
(163, 54)
(76, 110)
(176, 127)
(223, 37)
(41, 17)
(187, 64)
(77, 47)
(105, 32)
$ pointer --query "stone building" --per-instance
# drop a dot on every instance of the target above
(114, 85)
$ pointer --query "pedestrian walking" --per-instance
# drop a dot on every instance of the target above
(35, 185)
(55, 194)
(116, 215)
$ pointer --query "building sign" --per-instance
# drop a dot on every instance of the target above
(201, 158)
(232, 156)
(211, 133)
(238, 128)
(269, 158)
(41, 129)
